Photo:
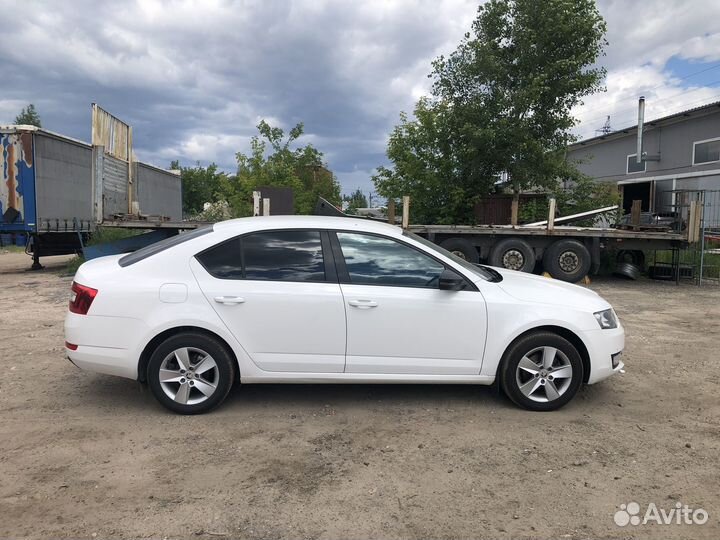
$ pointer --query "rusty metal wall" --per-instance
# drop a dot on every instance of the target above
(159, 192)
(111, 133)
(114, 185)
(63, 183)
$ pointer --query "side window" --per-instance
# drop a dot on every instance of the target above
(283, 256)
(375, 260)
(223, 261)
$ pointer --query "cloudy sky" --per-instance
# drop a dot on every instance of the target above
(195, 77)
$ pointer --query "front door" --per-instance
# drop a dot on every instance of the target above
(277, 295)
(398, 320)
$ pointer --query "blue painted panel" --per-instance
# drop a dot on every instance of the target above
(17, 181)
(127, 245)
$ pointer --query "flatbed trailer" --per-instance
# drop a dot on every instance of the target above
(565, 252)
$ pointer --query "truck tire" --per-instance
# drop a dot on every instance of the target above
(567, 260)
(513, 254)
(462, 248)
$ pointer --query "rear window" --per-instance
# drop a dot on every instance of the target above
(287, 255)
(162, 245)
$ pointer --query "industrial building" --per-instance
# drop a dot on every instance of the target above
(680, 152)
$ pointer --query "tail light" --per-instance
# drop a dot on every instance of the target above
(81, 299)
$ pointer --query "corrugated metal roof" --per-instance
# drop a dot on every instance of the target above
(665, 119)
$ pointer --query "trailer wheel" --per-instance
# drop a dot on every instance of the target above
(462, 248)
(513, 254)
(567, 260)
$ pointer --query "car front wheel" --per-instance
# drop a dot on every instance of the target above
(541, 371)
(190, 373)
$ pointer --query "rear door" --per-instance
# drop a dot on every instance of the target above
(399, 321)
(277, 292)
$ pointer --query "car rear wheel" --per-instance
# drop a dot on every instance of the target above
(190, 373)
(541, 372)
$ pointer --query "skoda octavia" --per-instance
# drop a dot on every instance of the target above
(331, 300)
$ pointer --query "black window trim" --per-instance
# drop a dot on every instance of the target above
(344, 275)
(331, 274)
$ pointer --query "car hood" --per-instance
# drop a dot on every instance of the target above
(542, 290)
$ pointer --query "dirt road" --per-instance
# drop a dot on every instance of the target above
(84, 455)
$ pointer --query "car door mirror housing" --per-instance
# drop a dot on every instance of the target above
(451, 281)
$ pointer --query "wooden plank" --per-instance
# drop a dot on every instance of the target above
(508, 230)
(635, 213)
(551, 215)
(692, 223)
(514, 210)
(266, 206)
(256, 203)
(391, 211)
(574, 217)
(406, 211)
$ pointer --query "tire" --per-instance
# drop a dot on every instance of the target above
(462, 248)
(634, 256)
(567, 260)
(185, 389)
(530, 350)
(513, 254)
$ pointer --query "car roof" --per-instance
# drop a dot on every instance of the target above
(306, 222)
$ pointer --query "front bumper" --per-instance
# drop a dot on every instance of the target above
(602, 346)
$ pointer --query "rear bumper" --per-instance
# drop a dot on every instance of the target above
(104, 344)
(603, 345)
(103, 360)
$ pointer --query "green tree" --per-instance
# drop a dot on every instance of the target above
(501, 105)
(425, 165)
(273, 162)
(200, 185)
(355, 200)
(28, 116)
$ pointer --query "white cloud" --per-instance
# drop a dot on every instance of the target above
(643, 37)
(195, 77)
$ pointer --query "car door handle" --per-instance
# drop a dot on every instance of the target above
(363, 304)
(229, 300)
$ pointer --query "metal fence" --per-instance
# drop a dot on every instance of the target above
(700, 261)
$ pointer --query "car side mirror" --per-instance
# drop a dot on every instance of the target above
(451, 281)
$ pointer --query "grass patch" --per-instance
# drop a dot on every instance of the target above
(691, 257)
(72, 265)
(11, 248)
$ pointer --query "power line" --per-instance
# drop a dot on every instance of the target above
(709, 85)
(587, 128)
(682, 79)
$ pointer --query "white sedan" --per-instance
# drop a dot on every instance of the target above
(301, 299)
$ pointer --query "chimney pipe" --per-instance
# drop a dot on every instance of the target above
(641, 121)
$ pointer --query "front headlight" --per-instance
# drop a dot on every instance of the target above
(606, 319)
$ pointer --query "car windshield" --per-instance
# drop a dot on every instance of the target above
(486, 273)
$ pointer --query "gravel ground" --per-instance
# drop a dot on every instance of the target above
(84, 455)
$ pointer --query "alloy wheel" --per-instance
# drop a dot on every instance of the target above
(544, 374)
(189, 375)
